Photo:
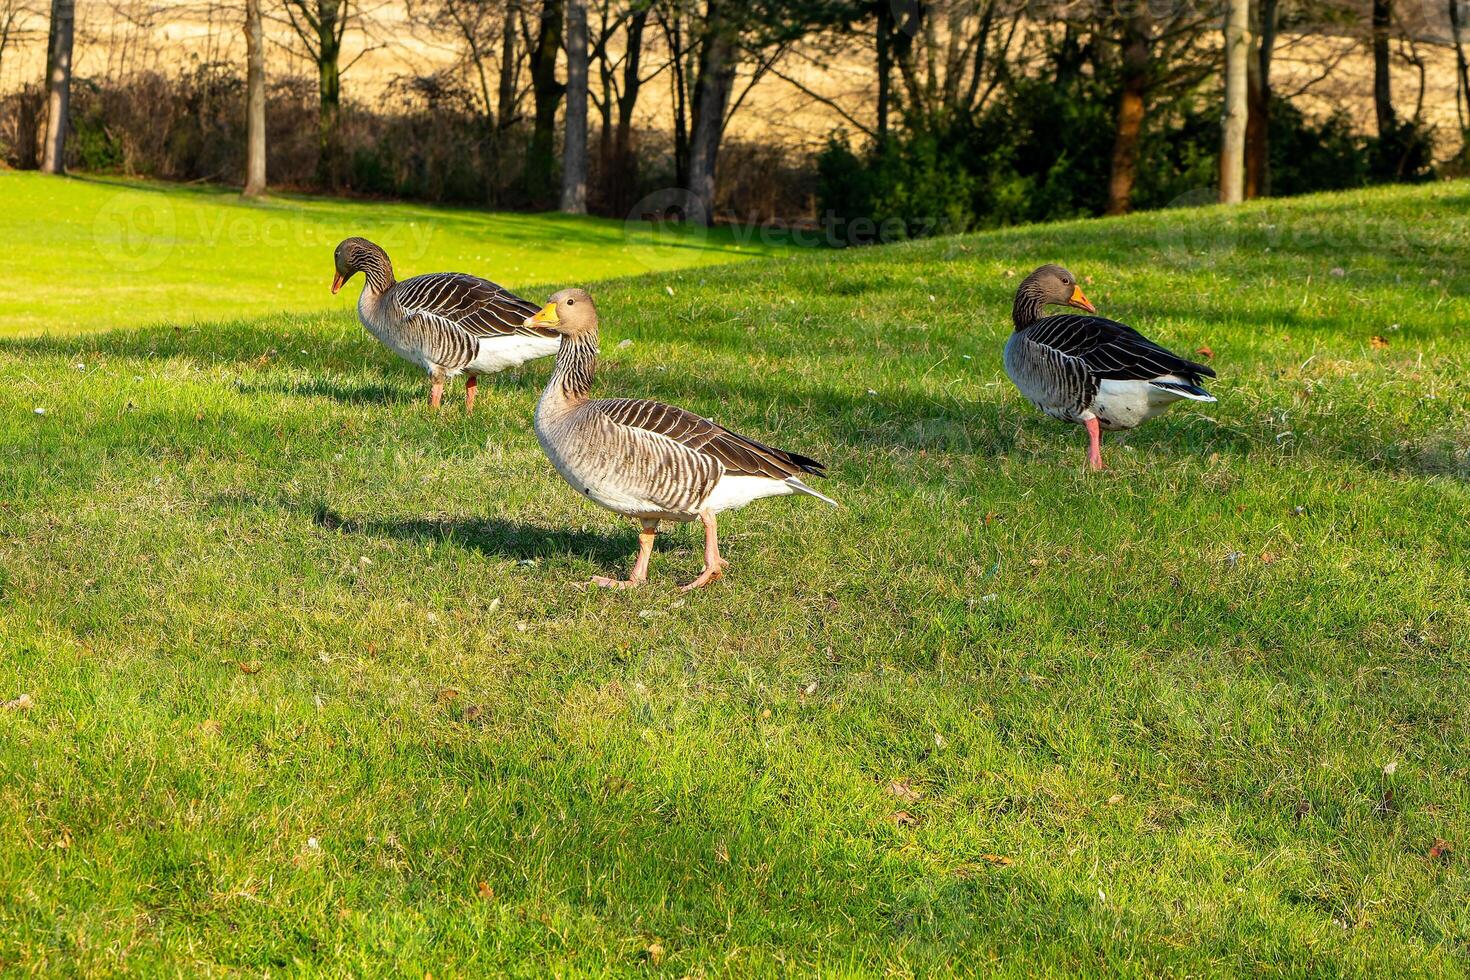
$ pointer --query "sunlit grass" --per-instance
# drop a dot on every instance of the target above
(315, 690)
(88, 254)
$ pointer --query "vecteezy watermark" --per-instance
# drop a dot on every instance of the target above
(676, 218)
(135, 232)
(138, 229)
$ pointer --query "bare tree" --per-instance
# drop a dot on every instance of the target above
(321, 25)
(546, 93)
(712, 87)
(58, 85)
(1237, 106)
(622, 81)
(1258, 95)
(508, 95)
(14, 17)
(574, 144)
(1462, 72)
(1382, 89)
(254, 100)
(1155, 54)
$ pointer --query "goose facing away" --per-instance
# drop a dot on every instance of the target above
(646, 460)
(1090, 370)
(447, 323)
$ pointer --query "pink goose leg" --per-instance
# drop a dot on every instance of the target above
(470, 384)
(640, 568)
(436, 394)
(1094, 447)
(714, 565)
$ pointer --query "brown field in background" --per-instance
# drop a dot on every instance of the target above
(386, 47)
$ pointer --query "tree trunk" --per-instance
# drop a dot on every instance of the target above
(506, 97)
(1237, 104)
(679, 91)
(546, 93)
(329, 93)
(29, 101)
(58, 85)
(884, 43)
(254, 100)
(574, 144)
(1131, 106)
(1382, 90)
(1462, 73)
(623, 173)
(1258, 126)
(711, 97)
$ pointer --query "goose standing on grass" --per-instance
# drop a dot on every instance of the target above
(1091, 370)
(649, 461)
(447, 323)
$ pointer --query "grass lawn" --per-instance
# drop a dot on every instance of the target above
(91, 254)
(312, 688)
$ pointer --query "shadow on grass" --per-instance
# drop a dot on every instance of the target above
(493, 536)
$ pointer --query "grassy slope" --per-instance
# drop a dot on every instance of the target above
(1167, 693)
(92, 254)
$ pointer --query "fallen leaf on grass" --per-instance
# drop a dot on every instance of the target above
(1115, 798)
(1269, 557)
(22, 703)
(655, 952)
(250, 666)
(1441, 850)
(1377, 343)
(809, 690)
(446, 695)
(485, 891)
(1205, 352)
(998, 859)
(903, 818)
(473, 713)
(901, 789)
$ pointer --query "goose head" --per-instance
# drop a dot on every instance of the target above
(570, 313)
(1052, 285)
(356, 255)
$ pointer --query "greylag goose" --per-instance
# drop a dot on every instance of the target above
(1088, 369)
(646, 460)
(447, 323)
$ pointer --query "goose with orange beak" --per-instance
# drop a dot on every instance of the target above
(448, 323)
(1090, 370)
(647, 460)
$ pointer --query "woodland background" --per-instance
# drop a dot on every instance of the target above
(874, 118)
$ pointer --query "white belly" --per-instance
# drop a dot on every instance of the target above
(737, 491)
(1126, 404)
(500, 353)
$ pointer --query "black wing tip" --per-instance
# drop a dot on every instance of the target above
(808, 465)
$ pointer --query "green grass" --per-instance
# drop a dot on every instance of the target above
(93, 254)
(1209, 706)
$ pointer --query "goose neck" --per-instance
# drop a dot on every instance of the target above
(1028, 306)
(576, 365)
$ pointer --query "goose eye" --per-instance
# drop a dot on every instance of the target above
(570, 302)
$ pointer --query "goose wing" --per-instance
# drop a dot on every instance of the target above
(477, 306)
(1112, 351)
(739, 455)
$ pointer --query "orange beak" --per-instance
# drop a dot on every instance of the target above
(1077, 300)
(544, 317)
(337, 282)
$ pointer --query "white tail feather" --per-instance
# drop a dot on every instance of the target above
(796, 484)
(1183, 390)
